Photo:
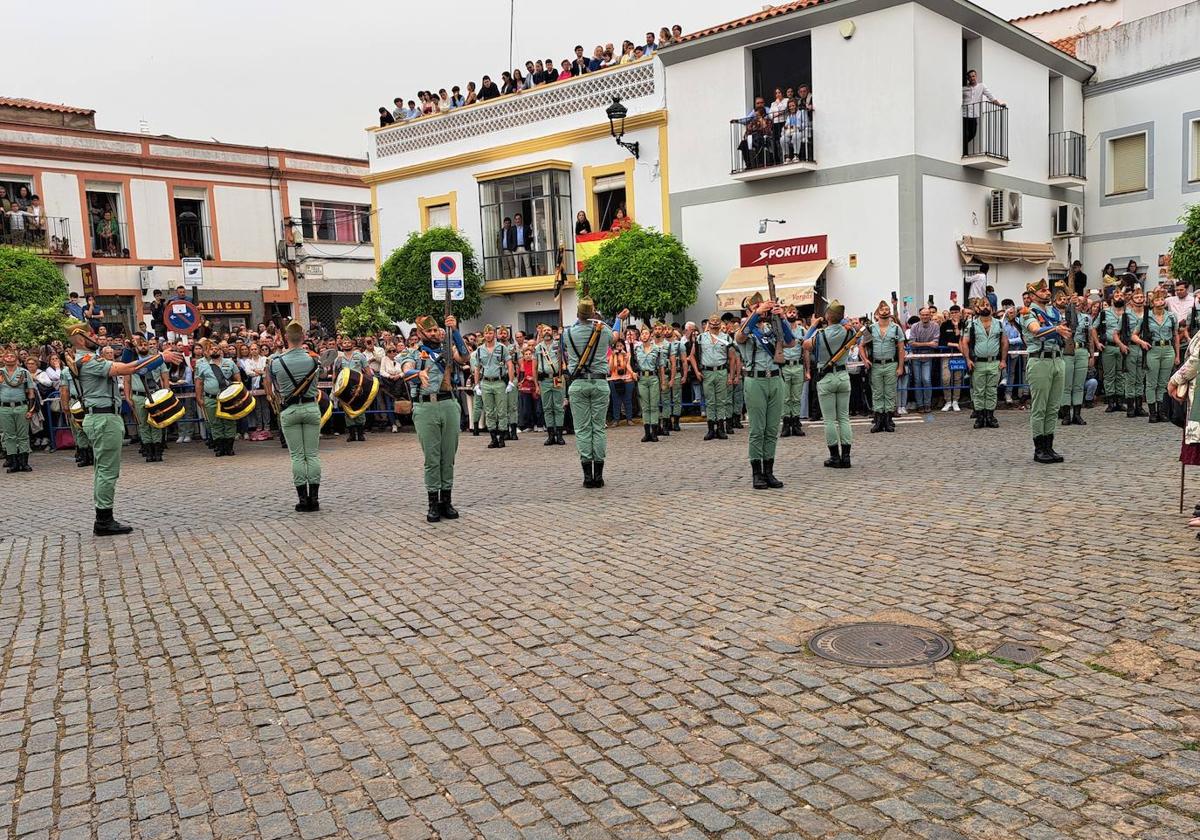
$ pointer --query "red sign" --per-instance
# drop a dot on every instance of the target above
(801, 249)
(87, 272)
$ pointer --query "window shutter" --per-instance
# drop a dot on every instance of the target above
(1195, 174)
(439, 215)
(1128, 164)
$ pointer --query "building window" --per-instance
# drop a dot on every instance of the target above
(609, 189)
(326, 221)
(1127, 164)
(106, 220)
(439, 211)
(537, 207)
(1194, 174)
(787, 64)
(192, 230)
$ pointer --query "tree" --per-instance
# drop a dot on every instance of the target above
(404, 289)
(1185, 250)
(366, 318)
(32, 293)
(647, 271)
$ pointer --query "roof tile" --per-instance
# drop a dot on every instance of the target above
(34, 105)
(757, 17)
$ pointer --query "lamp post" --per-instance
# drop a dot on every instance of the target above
(616, 122)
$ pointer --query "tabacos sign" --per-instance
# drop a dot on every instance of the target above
(802, 249)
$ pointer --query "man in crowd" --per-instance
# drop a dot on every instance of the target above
(584, 344)
(985, 347)
(883, 357)
(757, 343)
(1182, 305)
(1076, 279)
(1045, 335)
(924, 337)
(973, 94)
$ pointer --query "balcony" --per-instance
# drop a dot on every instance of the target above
(195, 240)
(1068, 159)
(755, 154)
(49, 236)
(985, 135)
(110, 239)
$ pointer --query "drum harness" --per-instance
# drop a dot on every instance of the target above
(298, 389)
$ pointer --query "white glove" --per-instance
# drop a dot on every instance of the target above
(479, 390)
(508, 388)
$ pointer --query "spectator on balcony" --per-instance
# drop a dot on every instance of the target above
(521, 81)
(596, 62)
(582, 225)
(443, 101)
(385, 117)
(649, 46)
(581, 64)
(626, 52)
(796, 133)
(778, 112)
(567, 71)
(23, 197)
(532, 77)
(506, 84)
(399, 113)
(536, 72)
(472, 95)
(638, 53)
(759, 102)
(35, 218)
(488, 89)
(758, 141)
(621, 222)
(512, 238)
(677, 33)
(977, 285)
(973, 95)
(457, 100)
(16, 223)
(665, 38)
(72, 307)
(551, 72)
(5, 201)
(804, 95)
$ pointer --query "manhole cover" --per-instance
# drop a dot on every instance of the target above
(1017, 652)
(874, 645)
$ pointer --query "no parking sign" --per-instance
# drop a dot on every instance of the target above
(445, 272)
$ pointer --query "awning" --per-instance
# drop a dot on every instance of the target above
(795, 283)
(975, 248)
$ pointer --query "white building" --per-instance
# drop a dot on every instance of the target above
(1069, 20)
(1142, 110)
(234, 207)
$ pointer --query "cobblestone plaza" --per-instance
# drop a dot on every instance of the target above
(623, 663)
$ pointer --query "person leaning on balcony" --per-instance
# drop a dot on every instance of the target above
(581, 64)
(626, 52)
(385, 117)
(107, 233)
(488, 89)
(472, 96)
(399, 113)
(973, 95)
(582, 225)
(621, 222)
(551, 72)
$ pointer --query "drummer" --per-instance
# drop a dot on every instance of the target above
(138, 387)
(214, 373)
(350, 358)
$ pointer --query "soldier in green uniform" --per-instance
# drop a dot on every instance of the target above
(105, 429)
(737, 389)
(829, 346)
(1160, 332)
(493, 366)
(512, 351)
(1045, 332)
(795, 378)
(18, 393)
(673, 395)
(714, 353)
(548, 368)
(650, 381)
(213, 375)
(68, 392)
(757, 340)
(1075, 364)
(138, 389)
(1107, 333)
(350, 358)
(291, 384)
(883, 355)
(585, 344)
(985, 347)
(659, 339)
(1135, 359)
(435, 410)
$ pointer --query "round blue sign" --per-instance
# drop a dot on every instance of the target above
(447, 265)
(181, 316)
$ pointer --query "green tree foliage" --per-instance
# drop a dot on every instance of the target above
(366, 318)
(1185, 250)
(404, 290)
(32, 293)
(647, 271)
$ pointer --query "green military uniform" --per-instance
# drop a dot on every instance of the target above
(833, 387)
(737, 397)
(588, 391)
(355, 361)
(794, 384)
(764, 397)
(1135, 364)
(103, 424)
(300, 421)
(549, 370)
(15, 386)
(510, 394)
(883, 345)
(714, 368)
(673, 396)
(491, 367)
(1160, 332)
(141, 387)
(1045, 375)
(985, 344)
(215, 377)
(1075, 368)
(83, 446)
(649, 363)
(436, 415)
(1109, 326)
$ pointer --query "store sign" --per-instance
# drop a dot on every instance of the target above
(87, 273)
(801, 249)
(224, 307)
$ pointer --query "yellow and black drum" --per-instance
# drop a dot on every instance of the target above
(325, 406)
(355, 391)
(77, 411)
(235, 402)
(164, 408)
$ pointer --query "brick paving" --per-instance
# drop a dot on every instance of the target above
(627, 663)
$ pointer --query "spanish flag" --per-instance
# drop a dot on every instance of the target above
(587, 245)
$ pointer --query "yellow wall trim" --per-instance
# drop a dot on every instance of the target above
(536, 144)
(375, 246)
(664, 179)
(542, 283)
(425, 202)
(592, 173)
(535, 166)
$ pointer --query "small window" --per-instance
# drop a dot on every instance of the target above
(325, 221)
(106, 220)
(1194, 176)
(1128, 164)
(438, 215)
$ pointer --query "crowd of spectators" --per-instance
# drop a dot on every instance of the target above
(778, 132)
(535, 73)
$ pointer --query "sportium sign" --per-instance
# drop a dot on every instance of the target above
(803, 249)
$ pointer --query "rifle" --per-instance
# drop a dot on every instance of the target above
(776, 326)
(851, 340)
(447, 349)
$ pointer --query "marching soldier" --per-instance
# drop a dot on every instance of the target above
(829, 346)
(549, 373)
(764, 386)
(1135, 359)
(213, 375)
(584, 344)
(650, 382)
(883, 356)
(68, 390)
(18, 394)
(1160, 332)
(102, 420)
(795, 378)
(493, 368)
(138, 388)
(985, 347)
(714, 353)
(510, 394)
(1075, 364)
(1046, 333)
(1107, 332)
(356, 427)
(435, 410)
(291, 384)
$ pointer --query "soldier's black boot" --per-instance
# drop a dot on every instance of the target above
(646, 435)
(558, 436)
(501, 436)
(447, 509)
(835, 457)
(786, 431)
(512, 431)
(721, 430)
(1039, 451)
(314, 497)
(79, 456)
(1064, 415)
(1138, 410)
(598, 467)
(435, 511)
(218, 448)
(675, 423)
(10, 464)
(876, 422)
(797, 429)
(654, 427)
(981, 420)
(992, 422)
(589, 479)
(768, 470)
(889, 422)
(474, 430)
(229, 447)
(495, 444)
(758, 481)
(1112, 405)
(23, 462)
(549, 436)
(301, 498)
(1153, 412)
(1077, 416)
(712, 431)
(106, 526)
(845, 459)
(89, 457)
(1130, 410)
(1049, 448)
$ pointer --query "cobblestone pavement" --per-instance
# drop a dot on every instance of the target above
(627, 663)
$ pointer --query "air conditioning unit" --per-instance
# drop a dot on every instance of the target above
(1068, 221)
(1004, 210)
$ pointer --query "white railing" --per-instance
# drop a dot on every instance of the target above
(590, 92)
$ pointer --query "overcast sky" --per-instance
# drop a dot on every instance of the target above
(310, 74)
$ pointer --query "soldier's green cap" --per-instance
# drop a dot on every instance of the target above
(294, 329)
(489, 328)
(425, 323)
(586, 308)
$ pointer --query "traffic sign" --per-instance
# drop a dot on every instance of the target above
(182, 316)
(193, 271)
(445, 271)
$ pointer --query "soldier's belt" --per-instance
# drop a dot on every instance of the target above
(592, 376)
(1160, 344)
(762, 374)
(433, 398)
(493, 379)
(979, 359)
(875, 361)
(1045, 354)
(11, 404)
(714, 367)
(94, 410)
(793, 363)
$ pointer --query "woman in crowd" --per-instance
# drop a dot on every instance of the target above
(526, 385)
(507, 84)
(582, 225)
(620, 381)
(621, 222)
(92, 313)
(1178, 388)
(385, 117)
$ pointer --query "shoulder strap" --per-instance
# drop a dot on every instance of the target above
(222, 382)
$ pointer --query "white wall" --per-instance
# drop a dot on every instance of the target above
(937, 86)
(244, 223)
(152, 218)
(60, 197)
(1074, 19)
(1155, 41)
(1024, 86)
(703, 96)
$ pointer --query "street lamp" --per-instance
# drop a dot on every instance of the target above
(616, 121)
(762, 224)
